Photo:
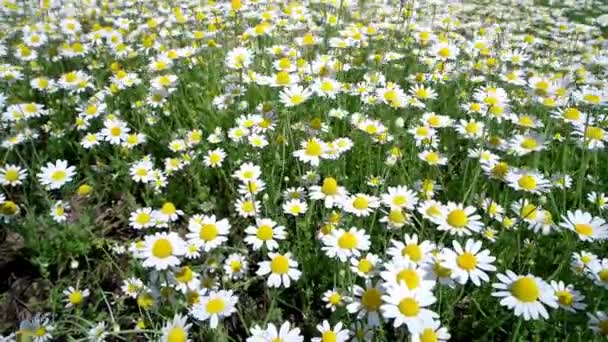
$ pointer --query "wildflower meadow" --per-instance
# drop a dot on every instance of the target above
(324, 170)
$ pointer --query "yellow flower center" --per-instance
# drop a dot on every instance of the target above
(413, 251)
(583, 229)
(444, 52)
(335, 298)
(396, 217)
(168, 208)
(177, 334)
(528, 211)
(528, 143)
(603, 274)
(143, 218)
(58, 176)
(330, 186)
(348, 240)
(11, 175)
(409, 307)
(313, 148)
(75, 297)
(525, 289)
(564, 297)
(365, 266)
(360, 203)
(527, 182)
(40, 331)
(572, 114)
(594, 99)
(279, 265)
(215, 305)
(594, 133)
(329, 336)
(162, 248)
(458, 218)
(410, 277)
(467, 261)
(428, 335)
(248, 207)
(184, 275)
(399, 200)
(283, 78)
(603, 325)
(371, 299)
(264, 232)
(208, 232)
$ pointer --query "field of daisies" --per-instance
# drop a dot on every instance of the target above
(326, 171)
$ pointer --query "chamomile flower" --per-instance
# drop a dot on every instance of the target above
(400, 197)
(74, 296)
(142, 218)
(334, 299)
(162, 250)
(176, 329)
(12, 175)
(236, 266)
(55, 175)
(366, 266)
(330, 192)
(271, 334)
(598, 322)
(568, 298)
(360, 204)
(311, 152)
(586, 226)
(214, 158)
(431, 331)
(58, 212)
(366, 302)
(527, 295)
(344, 244)
(215, 306)
(469, 262)
(460, 220)
(281, 270)
(408, 307)
(527, 181)
(207, 232)
(598, 272)
(265, 233)
(410, 249)
(335, 334)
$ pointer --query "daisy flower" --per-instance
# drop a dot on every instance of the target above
(214, 306)
(360, 204)
(162, 250)
(214, 158)
(294, 95)
(55, 175)
(460, 220)
(400, 197)
(598, 322)
(365, 267)
(334, 299)
(408, 307)
(598, 272)
(207, 232)
(431, 331)
(335, 334)
(330, 192)
(311, 152)
(12, 175)
(343, 244)
(586, 226)
(366, 302)
(433, 157)
(411, 249)
(264, 234)
(74, 296)
(568, 298)
(176, 330)
(468, 262)
(295, 207)
(271, 334)
(527, 181)
(281, 270)
(404, 272)
(527, 295)
(168, 212)
(141, 218)
(236, 266)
